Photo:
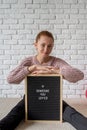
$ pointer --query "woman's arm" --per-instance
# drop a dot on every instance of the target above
(20, 72)
(25, 68)
(70, 73)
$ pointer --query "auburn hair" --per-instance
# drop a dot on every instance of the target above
(44, 33)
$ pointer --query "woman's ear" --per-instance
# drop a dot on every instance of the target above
(35, 44)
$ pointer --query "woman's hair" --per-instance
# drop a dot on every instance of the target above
(44, 33)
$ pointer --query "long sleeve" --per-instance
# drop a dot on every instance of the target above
(20, 72)
(71, 74)
(68, 72)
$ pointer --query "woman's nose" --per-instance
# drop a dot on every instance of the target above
(45, 49)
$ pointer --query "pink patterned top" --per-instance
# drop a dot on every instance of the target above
(68, 72)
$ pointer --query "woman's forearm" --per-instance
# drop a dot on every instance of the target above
(17, 75)
(72, 74)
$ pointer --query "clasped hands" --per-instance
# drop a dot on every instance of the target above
(38, 69)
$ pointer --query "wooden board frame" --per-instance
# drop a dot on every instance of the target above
(26, 97)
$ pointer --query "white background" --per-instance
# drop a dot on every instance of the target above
(21, 20)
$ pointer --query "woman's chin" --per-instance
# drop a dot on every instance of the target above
(45, 55)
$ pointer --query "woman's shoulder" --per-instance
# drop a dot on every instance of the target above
(57, 59)
(27, 60)
(59, 62)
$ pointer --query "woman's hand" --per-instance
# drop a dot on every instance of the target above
(47, 70)
(38, 68)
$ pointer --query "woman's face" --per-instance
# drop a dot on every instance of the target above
(44, 46)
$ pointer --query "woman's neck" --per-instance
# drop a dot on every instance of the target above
(43, 60)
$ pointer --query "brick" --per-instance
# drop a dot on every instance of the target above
(41, 11)
(82, 62)
(70, 52)
(16, 26)
(4, 27)
(82, 1)
(60, 21)
(1, 52)
(9, 1)
(24, 32)
(75, 26)
(77, 47)
(63, 47)
(79, 36)
(10, 42)
(39, 1)
(5, 87)
(77, 57)
(33, 6)
(55, 2)
(0, 21)
(47, 16)
(14, 16)
(65, 57)
(25, 1)
(8, 62)
(9, 32)
(2, 95)
(81, 32)
(32, 16)
(10, 21)
(63, 6)
(39, 21)
(4, 67)
(70, 11)
(18, 6)
(4, 47)
(63, 16)
(78, 6)
(4, 6)
(17, 47)
(65, 36)
(9, 91)
(13, 96)
(45, 27)
(77, 16)
(73, 62)
(82, 21)
(70, 1)
(4, 57)
(33, 26)
(82, 52)
(69, 92)
(21, 21)
(60, 52)
(73, 96)
(48, 6)
(24, 42)
(71, 21)
(61, 26)
(83, 11)
(2, 37)
(1, 82)
(56, 11)
(80, 92)
(18, 37)
(68, 31)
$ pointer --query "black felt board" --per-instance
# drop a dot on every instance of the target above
(43, 97)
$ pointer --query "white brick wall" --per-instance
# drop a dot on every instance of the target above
(21, 20)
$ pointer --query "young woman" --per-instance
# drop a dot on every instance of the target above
(43, 63)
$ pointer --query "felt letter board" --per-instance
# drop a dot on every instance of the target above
(43, 97)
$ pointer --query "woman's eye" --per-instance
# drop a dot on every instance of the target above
(43, 45)
(49, 46)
